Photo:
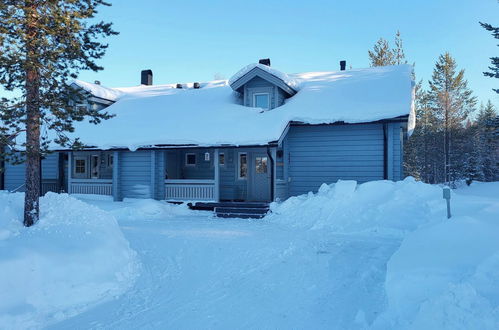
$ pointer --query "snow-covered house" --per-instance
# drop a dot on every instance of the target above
(260, 136)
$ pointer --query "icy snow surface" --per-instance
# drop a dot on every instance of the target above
(111, 94)
(379, 255)
(213, 115)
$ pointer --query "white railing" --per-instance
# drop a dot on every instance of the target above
(189, 190)
(91, 186)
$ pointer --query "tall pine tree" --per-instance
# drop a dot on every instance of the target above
(451, 101)
(383, 55)
(494, 68)
(43, 44)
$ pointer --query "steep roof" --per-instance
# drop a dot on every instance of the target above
(213, 115)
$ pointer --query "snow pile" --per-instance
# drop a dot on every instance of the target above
(149, 209)
(75, 256)
(213, 115)
(378, 206)
(444, 275)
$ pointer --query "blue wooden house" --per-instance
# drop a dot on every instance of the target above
(261, 136)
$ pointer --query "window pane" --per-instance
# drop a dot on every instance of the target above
(243, 166)
(261, 165)
(95, 167)
(262, 101)
(191, 159)
(221, 159)
(80, 166)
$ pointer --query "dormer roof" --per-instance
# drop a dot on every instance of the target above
(276, 77)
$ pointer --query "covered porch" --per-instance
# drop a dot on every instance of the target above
(90, 172)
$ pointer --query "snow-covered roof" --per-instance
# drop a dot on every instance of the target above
(213, 115)
(111, 94)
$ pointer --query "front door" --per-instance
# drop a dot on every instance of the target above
(259, 177)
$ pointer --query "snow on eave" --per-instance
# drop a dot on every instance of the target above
(98, 91)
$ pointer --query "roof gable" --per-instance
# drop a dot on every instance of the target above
(272, 76)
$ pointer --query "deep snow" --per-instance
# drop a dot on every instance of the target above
(380, 255)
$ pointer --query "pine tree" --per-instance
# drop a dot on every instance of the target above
(451, 101)
(494, 68)
(382, 54)
(398, 51)
(43, 44)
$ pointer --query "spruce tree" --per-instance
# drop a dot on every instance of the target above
(43, 44)
(487, 141)
(451, 101)
(494, 68)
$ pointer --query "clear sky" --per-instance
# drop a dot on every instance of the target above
(185, 41)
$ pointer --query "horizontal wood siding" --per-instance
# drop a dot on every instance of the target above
(135, 174)
(202, 170)
(325, 153)
(159, 171)
(14, 174)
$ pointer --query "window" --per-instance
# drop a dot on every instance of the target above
(261, 100)
(221, 159)
(80, 166)
(261, 165)
(110, 160)
(190, 159)
(243, 166)
(95, 166)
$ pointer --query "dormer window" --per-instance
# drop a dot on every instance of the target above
(261, 100)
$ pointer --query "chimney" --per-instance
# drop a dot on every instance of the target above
(97, 82)
(146, 77)
(343, 65)
(264, 61)
(179, 86)
(196, 85)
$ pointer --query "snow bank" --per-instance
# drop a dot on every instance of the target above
(444, 275)
(75, 256)
(148, 209)
(378, 206)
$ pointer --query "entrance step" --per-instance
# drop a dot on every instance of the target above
(245, 210)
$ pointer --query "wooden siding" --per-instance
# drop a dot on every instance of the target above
(135, 174)
(14, 174)
(325, 153)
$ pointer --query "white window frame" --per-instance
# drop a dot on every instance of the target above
(195, 158)
(261, 93)
(84, 174)
(238, 168)
(225, 160)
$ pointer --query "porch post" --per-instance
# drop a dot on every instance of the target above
(70, 171)
(116, 175)
(274, 172)
(217, 176)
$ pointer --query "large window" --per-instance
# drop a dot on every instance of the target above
(243, 166)
(190, 159)
(261, 165)
(221, 159)
(261, 100)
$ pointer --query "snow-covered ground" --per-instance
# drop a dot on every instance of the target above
(379, 255)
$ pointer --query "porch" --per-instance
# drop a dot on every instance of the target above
(90, 172)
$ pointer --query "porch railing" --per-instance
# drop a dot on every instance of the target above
(91, 186)
(189, 190)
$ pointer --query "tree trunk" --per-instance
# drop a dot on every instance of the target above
(32, 196)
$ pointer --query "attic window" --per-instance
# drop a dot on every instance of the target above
(261, 100)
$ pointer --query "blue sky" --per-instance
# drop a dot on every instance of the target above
(185, 41)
